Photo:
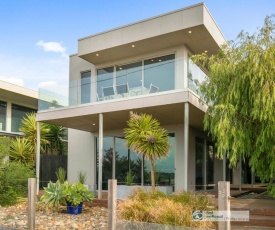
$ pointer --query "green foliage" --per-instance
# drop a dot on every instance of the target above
(55, 139)
(144, 135)
(8, 196)
(129, 178)
(156, 207)
(77, 193)
(82, 176)
(15, 176)
(61, 175)
(5, 143)
(57, 193)
(53, 195)
(22, 151)
(240, 93)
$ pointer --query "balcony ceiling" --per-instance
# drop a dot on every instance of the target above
(197, 42)
(86, 118)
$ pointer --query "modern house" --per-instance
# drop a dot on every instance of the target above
(143, 67)
(15, 102)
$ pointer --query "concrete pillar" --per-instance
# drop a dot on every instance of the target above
(100, 154)
(185, 146)
(37, 159)
(114, 159)
(9, 114)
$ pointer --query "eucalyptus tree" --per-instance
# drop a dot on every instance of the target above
(145, 136)
(240, 93)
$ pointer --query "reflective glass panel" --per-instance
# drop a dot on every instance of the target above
(160, 72)
(3, 114)
(199, 163)
(105, 83)
(18, 113)
(86, 87)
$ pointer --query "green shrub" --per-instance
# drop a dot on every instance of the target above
(61, 175)
(156, 207)
(7, 196)
(15, 176)
(53, 195)
(129, 179)
(82, 177)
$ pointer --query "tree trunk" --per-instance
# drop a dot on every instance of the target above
(152, 173)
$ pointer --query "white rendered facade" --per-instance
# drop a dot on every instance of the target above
(115, 72)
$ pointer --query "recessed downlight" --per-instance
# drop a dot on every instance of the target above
(133, 46)
(205, 51)
(190, 32)
(93, 123)
(97, 55)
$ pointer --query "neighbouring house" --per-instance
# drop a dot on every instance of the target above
(142, 67)
(15, 102)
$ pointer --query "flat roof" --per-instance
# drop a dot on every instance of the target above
(18, 94)
(155, 33)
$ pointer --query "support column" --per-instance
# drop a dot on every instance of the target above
(37, 158)
(8, 117)
(204, 165)
(114, 159)
(100, 153)
(224, 166)
(185, 146)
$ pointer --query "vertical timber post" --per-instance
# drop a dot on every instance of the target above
(37, 158)
(185, 146)
(100, 153)
(112, 198)
(224, 203)
(31, 203)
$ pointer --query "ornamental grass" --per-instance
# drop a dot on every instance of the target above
(173, 210)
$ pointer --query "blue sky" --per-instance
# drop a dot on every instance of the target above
(36, 37)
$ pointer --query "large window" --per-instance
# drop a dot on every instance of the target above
(199, 163)
(127, 160)
(3, 114)
(105, 83)
(142, 77)
(18, 113)
(86, 87)
(160, 72)
(164, 168)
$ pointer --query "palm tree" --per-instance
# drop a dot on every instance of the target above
(55, 138)
(29, 128)
(145, 136)
(22, 151)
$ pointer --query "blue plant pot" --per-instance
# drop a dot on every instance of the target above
(74, 210)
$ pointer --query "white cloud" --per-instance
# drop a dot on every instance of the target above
(33, 71)
(53, 47)
(13, 80)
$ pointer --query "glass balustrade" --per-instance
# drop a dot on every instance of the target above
(195, 77)
(146, 77)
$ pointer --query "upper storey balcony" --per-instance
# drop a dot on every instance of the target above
(160, 75)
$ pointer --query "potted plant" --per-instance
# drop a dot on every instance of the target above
(72, 195)
(75, 195)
